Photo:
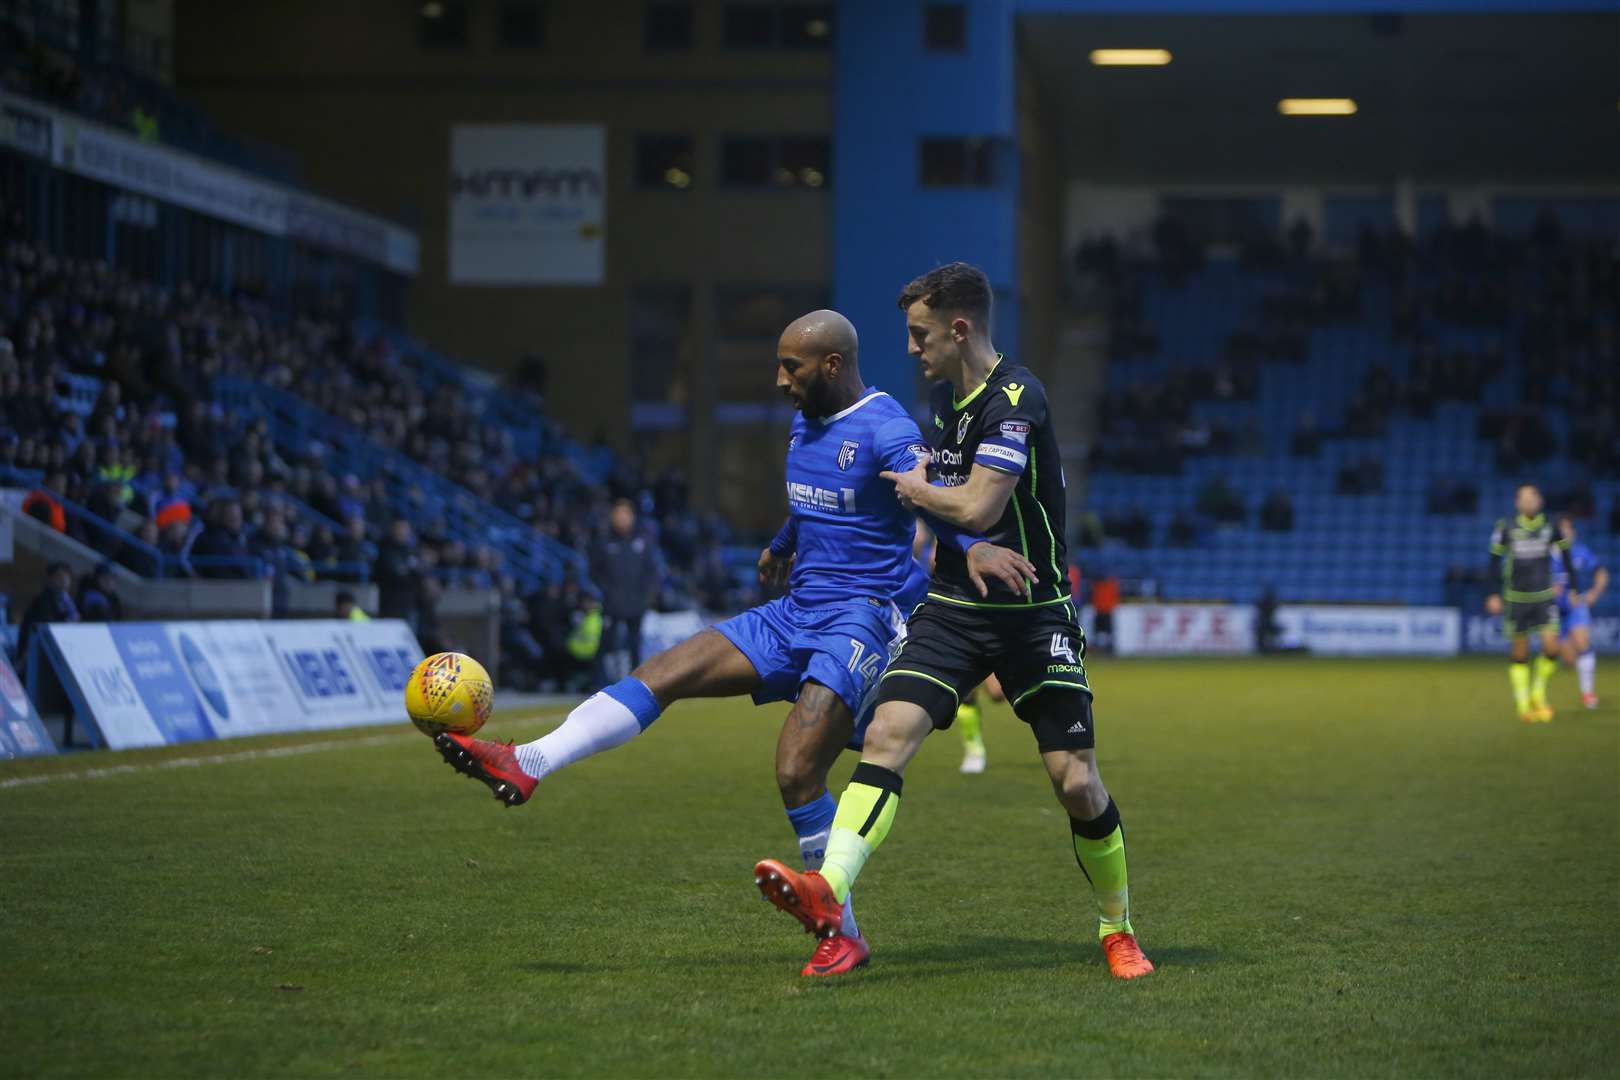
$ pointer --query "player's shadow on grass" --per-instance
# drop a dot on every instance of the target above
(996, 953)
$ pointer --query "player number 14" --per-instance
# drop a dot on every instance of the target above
(868, 667)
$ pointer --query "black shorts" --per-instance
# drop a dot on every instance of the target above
(1521, 619)
(1038, 654)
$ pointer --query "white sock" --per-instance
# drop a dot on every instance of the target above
(598, 723)
(813, 849)
(1586, 670)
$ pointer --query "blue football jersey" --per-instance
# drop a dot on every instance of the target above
(1584, 562)
(852, 537)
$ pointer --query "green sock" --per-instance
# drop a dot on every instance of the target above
(1519, 676)
(1545, 666)
(866, 809)
(969, 719)
(1099, 848)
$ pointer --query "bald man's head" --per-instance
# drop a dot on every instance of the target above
(818, 362)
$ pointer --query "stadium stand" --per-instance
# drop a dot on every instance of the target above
(67, 61)
(1349, 429)
(182, 433)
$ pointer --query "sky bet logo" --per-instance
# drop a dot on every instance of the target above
(320, 673)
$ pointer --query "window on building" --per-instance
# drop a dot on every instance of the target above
(749, 26)
(660, 329)
(956, 162)
(665, 161)
(442, 23)
(805, 162)
(807, 26)
(945, 27)
(521, 24)
(746, 162)
(758, 161)
(668, 26)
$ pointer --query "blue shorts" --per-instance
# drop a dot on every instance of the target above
(844, 646)
(1572, 616)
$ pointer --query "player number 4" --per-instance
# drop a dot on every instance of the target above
(868, 667)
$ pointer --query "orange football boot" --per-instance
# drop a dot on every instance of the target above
(807, 897)
(492, 762)
(837, 954)
(1125, 958)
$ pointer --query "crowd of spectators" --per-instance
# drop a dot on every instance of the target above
(60, 64)
(1555, 301)
(105, 398)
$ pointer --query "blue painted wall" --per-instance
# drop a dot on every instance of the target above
(889, 92)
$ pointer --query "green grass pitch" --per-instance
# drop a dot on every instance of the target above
(1341, 868)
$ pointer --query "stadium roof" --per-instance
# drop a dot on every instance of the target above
(1499, 97)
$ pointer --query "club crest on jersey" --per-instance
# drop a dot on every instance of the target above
(846, 453)
(962, 426)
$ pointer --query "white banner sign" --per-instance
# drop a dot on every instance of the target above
(1183, 629)
(153, 684)
(1483, 633)
(181, 179)
(528, 204)
(1370, 631)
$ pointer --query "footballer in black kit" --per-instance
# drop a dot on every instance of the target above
(994, 473)
(1032, 641)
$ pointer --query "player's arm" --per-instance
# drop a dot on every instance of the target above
(922, 545)
(1493, 571)
(905, 453)
(974, 506)
(1009, 418)
(1600, 585)
(1572, 580)
(776, 561)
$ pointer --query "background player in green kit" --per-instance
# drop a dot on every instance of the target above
(994, 470)
(1522, 553)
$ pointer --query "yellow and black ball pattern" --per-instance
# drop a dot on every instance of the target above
(449, 692)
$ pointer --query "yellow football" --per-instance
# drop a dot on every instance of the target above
(449, 692)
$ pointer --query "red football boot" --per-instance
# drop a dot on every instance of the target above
(836, 954)
(806, 897)
(1125, 959)
(492, 762)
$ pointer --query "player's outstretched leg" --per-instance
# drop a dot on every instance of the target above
(706, 665)
(493, 763)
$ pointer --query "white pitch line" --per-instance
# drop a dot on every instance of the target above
(211, 759)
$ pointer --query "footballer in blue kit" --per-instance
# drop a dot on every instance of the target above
(852, 568)
(845, 556)
(1575, 610)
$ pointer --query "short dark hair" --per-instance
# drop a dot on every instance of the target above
(344, 596)
(960, 287)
